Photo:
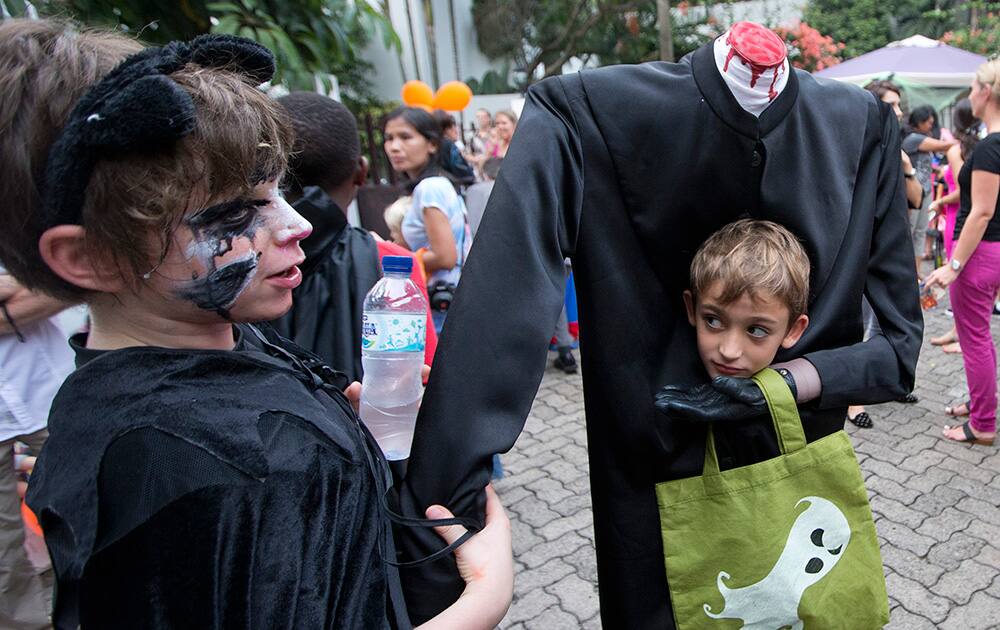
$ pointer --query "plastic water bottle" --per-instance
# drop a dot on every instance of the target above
(392, 353)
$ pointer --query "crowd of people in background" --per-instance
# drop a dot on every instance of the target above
(447, 177)
(951, 181)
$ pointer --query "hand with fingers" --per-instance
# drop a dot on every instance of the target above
(726, 398)
(486, 563)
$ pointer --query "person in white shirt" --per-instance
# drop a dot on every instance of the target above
(34, 360)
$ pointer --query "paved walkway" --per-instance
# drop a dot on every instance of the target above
(936, 507)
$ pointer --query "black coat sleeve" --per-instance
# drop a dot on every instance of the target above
(494, 346)
(884, 366)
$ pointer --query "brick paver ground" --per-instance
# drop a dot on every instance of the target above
(936, 506)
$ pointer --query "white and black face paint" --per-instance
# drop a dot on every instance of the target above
(214, 229)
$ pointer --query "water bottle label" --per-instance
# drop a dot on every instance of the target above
(393, 332)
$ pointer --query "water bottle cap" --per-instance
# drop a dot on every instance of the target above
(397, 264)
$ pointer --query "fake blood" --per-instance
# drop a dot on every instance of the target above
(758, 48)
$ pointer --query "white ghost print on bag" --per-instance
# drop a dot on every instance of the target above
(816, 542)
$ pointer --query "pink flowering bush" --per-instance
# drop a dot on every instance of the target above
(809, 49)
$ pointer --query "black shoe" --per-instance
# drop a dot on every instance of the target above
(862, 420)
(566, 362)
(908, 399)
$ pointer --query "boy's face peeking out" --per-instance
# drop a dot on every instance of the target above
(742, 337)
(236, 259)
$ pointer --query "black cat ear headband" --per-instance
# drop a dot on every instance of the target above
(137, 106)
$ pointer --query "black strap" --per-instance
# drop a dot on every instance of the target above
(380, 472)
(10, 320)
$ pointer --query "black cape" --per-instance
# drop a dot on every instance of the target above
(342, 265)
(169, 500)
(627, 170)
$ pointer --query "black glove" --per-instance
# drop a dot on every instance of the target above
(725, 398)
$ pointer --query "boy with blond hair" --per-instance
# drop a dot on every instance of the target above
(748, 297)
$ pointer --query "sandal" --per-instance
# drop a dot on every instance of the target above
(862, 420)
(958, 411)
(970, 437)
(909, 399)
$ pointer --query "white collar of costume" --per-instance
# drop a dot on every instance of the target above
(753, 92)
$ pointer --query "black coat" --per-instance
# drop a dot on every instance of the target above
(627, 170)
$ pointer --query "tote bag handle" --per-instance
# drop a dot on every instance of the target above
(784, 414)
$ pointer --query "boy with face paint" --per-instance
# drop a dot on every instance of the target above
(342, 262)
(201, 472)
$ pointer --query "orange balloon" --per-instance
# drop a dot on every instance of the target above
(30, 519)
(453, 96)
(417, 93)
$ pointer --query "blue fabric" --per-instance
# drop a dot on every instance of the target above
(437, 192)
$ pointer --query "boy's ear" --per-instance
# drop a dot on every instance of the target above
(795, 331)
(361, 172)
(63, 248)
(689, 305)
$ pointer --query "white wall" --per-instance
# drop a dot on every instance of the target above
(388, 81)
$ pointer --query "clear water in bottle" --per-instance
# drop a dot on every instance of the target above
(394, 328)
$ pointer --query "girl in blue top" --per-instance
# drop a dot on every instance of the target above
(436, 221)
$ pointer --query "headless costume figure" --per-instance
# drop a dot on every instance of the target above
(627, 170)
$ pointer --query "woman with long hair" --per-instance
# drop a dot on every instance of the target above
(435, 226)
(505, 123)
(966, 126)
(973, 272)
(920, 143)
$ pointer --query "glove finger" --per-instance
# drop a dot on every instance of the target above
(680, 410)
(740, 389)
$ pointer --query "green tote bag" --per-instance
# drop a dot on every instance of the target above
(785, 543)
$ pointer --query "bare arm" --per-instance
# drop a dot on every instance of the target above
(933, 145)
(25, 306)
(442, 253)
(985, 187)
(955, 163)
(486, 564)
(914, 192)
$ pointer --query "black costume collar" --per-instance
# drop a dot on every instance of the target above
(328, 221)
(85, 355)
(719, 97)
(137, 107)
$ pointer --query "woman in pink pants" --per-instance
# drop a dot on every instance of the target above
(973, 272)
(966, 131)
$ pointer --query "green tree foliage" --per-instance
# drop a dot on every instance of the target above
(981, 32)
(310, 38)
(539, 36)
(864, 25)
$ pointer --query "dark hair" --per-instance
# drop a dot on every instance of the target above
(491, 167)
(428, 127)
(965, 127)
(327, 145)
(879, 87)
(445, 120)
(920, 114)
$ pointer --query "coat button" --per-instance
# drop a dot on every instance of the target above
(755, 159)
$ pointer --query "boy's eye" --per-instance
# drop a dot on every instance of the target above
(713, 322)
(758, 332)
